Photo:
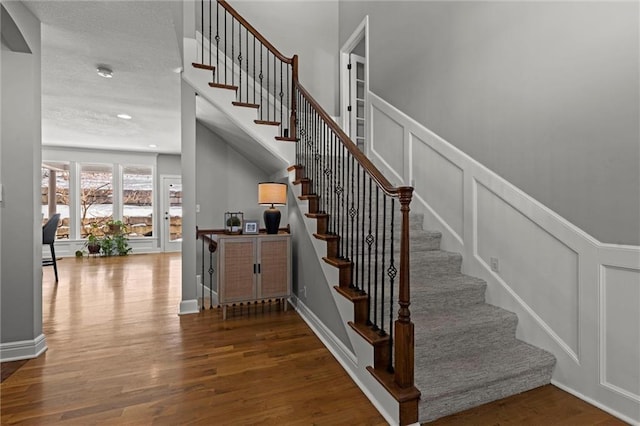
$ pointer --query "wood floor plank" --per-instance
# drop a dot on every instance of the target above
(119, 354)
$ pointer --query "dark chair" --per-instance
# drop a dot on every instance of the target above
(49, 237)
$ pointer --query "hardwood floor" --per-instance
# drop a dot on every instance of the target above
(119, 354)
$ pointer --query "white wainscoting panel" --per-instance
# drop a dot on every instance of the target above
(574, 296)
(387, 144)
(540, 269)
(620, 330)
(436, 175)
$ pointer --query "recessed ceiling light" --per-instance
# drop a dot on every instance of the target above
(124, 116)
(152, 145)
(105, 72)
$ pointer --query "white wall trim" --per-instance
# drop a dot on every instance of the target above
(596, 403)
(188, 307)
(550, 270)
(23, 349)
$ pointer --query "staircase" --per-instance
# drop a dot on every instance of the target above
(451, 351)
(466, 352)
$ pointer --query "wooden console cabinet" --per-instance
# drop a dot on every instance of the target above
(253, 268)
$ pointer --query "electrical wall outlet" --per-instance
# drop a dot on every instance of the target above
(495, 265)
(304, 291)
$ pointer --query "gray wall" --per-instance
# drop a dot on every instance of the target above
(308, 29)
(20, 227)
(225, 181)
(543, 93)
(307, 272)
(169, 164)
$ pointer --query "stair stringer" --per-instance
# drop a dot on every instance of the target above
(280, 154)
(363, 352)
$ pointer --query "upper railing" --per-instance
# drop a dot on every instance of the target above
(243, 60)
(367, 218)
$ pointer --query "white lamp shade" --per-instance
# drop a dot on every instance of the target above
(272, 193)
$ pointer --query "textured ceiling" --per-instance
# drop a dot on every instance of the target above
(137, 40)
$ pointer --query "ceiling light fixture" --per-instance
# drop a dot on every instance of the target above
(124, 116)
(152, 145)
(105, 72)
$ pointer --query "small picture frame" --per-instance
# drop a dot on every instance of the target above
(250, 227)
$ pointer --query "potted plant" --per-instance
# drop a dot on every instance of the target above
(121, 244)
(107, 245)
(93, 242)
(233, 222)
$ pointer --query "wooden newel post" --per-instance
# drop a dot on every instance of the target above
(404, 338)
(294, 82)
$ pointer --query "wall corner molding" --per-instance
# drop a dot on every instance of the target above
(23, 349)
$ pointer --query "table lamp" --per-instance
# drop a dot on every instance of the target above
(272, 193)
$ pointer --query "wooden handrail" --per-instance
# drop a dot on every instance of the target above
(366, 164)
(255, 32)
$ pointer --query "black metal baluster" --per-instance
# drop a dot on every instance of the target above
(246, 42)
(362, 243)
(268, 101)
(282, 124)
(210, 278)
(233, 48)
(261, 76)
(347, 190)
(202, 275)
(225, 46)
(209, 34)
(254, 69)
(391, 272)
(369, 246)
(375, 267)
(239, 62)
(217, 74)
(275, 83)
(202, 30)
(384, 242)
(354, 221)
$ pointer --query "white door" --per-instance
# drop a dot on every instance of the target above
(356, 107)
(171, 213)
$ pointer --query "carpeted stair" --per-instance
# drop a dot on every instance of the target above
(466, 352)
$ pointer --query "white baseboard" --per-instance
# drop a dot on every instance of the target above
(596, 403)
(188, 307)
(23, 349)
(340, 352)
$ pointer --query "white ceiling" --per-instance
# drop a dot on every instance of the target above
(137, 40)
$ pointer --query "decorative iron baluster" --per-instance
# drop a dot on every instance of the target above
(233, 48)
(202, 275)
(225, 46)
(384, 244)
(261, 76)
(268, 101)
(209, 34)
(246, 43)
(375, 266)
(254, 69)
(239, 62)
(369, 239)
(282, 125)
(392, 271)
(217, 74)
(210, 278)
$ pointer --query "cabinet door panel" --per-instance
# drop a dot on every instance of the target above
(274, 261)
(238, 271)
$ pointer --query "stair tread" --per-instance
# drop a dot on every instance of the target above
(433, 283)
(436, 322)
(477, 369)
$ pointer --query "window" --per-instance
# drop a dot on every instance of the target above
(55, 195)
(96, 197)
(137, 200)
